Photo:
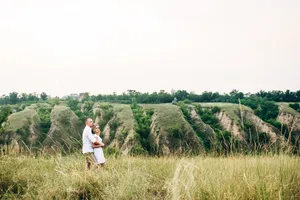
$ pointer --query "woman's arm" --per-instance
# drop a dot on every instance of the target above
(98, 144)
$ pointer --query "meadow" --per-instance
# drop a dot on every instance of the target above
(125, 177)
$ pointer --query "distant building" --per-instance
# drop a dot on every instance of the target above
(173, 91)
(74, 96)
(81, 96)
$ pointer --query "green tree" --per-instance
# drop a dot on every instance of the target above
(86, 97)
(32, 97)
(295, 106)
(181, 95)
(13, 97)
(235, 95)
(44, 96)
(24, 97)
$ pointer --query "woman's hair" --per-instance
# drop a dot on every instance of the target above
(94, 128)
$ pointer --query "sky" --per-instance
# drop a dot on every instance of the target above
(101, 47)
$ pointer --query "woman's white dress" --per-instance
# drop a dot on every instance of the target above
(98, 152)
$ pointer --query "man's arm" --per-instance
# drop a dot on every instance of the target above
(92, 138)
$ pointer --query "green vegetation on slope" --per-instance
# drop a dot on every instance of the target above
(44, 112)
(254, 135)
(224, 137)
(166, 130)
(82, 110)
(143, 119)
(295, 106)
(186, 110)
(264, 109)
(5, 111)
(232, 110)
(105, 112)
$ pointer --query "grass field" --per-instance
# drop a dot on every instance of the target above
(264, 177)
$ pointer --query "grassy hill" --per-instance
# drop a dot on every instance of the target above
(65, 131)
(171, 131)
(22, 119)
(24, 129)
(290, 118)
(239, 119)
(285, 108)
(119, 131)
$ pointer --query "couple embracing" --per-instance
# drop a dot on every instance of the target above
(92, 144)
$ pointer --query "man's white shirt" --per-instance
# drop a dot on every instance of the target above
(88, 139)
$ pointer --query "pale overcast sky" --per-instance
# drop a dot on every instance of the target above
(64, 47)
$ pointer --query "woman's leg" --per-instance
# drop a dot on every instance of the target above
(101, 165)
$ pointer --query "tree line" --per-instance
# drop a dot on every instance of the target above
(163, 97)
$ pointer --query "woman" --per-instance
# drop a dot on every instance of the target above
(98, 151)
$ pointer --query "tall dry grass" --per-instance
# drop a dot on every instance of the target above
(239, 177)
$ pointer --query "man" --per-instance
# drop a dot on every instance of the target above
(88, 140)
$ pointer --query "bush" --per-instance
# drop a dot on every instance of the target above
(261, 138)
(177, 132)
(275, 123)
(114, 124)
(73, 103)
(187, 101)
(23, 133)
(108, 114)
(44, 114)
(138, 150)
(111, 151)
(112, 135)
(142, 128)
(215, 109)
(295, 106)
(124, 133)
(184, 110)
(265, 109)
